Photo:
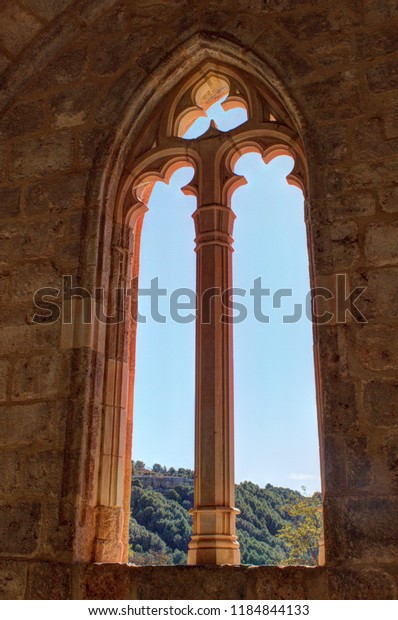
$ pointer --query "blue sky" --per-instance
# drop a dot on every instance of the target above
(276, 436)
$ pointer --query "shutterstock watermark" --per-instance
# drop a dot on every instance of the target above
(321, 305)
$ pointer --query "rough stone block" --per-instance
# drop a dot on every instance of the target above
(66, 192)
(370, 529)
(339, 406)
(272, 583)
(29, 277)
(22, 119)
(12, 580)
(32, 424)
(10, 479)
(368, 584)
(17, 27)
(369, 141)
(47, 8)
(42, 473)
(334, 464)
(71, 108)
(49, 581)
(359, 469)
(110, 581)
(351, 205)
(19, 528)
(4, 62)
(381, 244)
(383, 77)
(333, 142)
(9, 202)
(381, 403)
(388, 474)
(335, 97)
(188, 582)
(307, 25)
(40, 376)
(4, 373)
(37, 157)
(377, 43)
(22, 240)
(344, 236)
(391, 125)
(379, 300)
(376, 347)
(389, 199)
(68, 67)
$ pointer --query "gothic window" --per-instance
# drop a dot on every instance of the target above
(185, 132)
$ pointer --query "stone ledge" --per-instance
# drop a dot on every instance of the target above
(51, 580)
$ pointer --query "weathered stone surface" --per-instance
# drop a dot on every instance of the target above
(388, 474)
(47, 8)
(379, 300)
(100, 580)
(383, 77)
(22, 119)
(42, 473)
(68, 67)
(4, 374)
(70, 90)
(340, 406)
(371, 45)
(290, 583)
(40, 376)
(12, 580)
(371, 529)
(61, 194)
(32, 424)
(9, 202)
(358, 463)
(345, 249)
(4, 62)
(335, 97)
(369, 141)
(389, 200)
(39, 157)
(196, 582)
(30, 277)
(49, 581)
(17, 27)
(361, 584)
(376, 348)
(381, 244)
(381, 403)
(70, 108)
(351, 205)
(19, 528)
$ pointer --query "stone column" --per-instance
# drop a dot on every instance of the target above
(214, 538)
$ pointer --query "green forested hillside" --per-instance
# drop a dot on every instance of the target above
(160, 526)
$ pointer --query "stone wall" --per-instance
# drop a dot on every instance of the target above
(75, 76)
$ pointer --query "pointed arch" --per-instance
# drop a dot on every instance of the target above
(103, 521)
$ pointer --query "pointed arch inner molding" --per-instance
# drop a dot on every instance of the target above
(161, 150)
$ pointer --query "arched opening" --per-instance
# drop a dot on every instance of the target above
(217, 110)
(165, 373)
(268, 130)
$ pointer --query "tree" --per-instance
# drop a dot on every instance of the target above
(302, 533)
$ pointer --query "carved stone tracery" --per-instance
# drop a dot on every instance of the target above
(270, 132)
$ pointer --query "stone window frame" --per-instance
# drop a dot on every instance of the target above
(145, 144)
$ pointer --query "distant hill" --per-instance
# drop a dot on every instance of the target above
(160, 526)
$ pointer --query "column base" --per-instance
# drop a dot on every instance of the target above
(214, 540)
(216, 549)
